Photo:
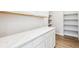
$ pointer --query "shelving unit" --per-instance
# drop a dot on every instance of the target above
(71, 23)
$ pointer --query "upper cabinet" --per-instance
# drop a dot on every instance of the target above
(43, 14)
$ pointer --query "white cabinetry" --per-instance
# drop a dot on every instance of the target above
(46, 40)
(43, 37)
(50, 42)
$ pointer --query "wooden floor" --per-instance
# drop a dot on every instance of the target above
(66, 42)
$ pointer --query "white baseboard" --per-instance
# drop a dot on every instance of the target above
(60, 34)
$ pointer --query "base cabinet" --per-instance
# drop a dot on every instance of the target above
(50, 41)
(46, 40)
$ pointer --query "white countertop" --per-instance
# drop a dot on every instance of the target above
(23, 37)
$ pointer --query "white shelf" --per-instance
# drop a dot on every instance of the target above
(71, 28)
(72, 14)
(71, 33)
(71, 24)
(70, 19)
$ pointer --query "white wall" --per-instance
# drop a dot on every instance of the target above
(58, 17)
(37, 13)
(10, 24)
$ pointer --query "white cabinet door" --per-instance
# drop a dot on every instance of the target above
(46, 40)
(35, 43)
(40, 42)
(27, 45)
(50, 41)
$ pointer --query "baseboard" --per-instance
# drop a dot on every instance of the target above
(60, 34)
(71, 37)
(65, 36)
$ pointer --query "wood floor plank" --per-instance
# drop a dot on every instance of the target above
(66, 42)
